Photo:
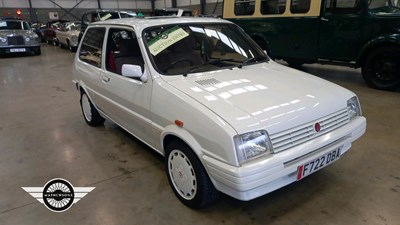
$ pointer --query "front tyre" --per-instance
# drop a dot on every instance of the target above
(381, 69)
(71, 48)
(187, 176)
(90, 113)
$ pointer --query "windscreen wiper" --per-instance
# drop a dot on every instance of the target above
(253, 59)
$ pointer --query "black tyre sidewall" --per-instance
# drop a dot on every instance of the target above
(368, 72)
(206, 192)
(97, 119)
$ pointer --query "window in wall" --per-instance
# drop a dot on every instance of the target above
(300, 6)
(244, 7)
(92, 46)
(269, 7)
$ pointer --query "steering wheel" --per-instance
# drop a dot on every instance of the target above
(176, 62)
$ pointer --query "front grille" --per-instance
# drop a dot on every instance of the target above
(303, 133)
(16, 40)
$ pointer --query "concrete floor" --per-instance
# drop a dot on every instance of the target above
(43, 136)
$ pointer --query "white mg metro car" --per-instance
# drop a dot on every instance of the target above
(200, 92)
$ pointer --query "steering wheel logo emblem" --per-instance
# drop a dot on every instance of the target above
(58, 195)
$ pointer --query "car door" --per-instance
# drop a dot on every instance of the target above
(126, 100)
(90, 63)
(341, 29)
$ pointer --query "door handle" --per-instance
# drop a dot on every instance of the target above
(324, 19)
(105, 79)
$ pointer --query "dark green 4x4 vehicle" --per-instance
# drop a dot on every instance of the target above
(355, 33)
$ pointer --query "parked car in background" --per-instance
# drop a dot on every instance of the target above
(67, 35)
(101, 15)
(16, 36)
(49, 34)
(171, 12)
(39, 28)
(203, 94)
(354, 33)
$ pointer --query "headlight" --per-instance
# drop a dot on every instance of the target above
(4, 40)
(252, 145)
(353, 107)
(27, 39)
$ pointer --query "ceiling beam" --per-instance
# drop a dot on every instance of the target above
(67, 11)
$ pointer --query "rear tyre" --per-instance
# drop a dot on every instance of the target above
(187, 176)
(90, 113)
(381, 69)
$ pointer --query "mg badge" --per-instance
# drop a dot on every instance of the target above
(317, 127)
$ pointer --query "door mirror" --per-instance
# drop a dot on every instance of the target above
(133, 71)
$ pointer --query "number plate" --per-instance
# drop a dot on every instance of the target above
(317, 164)
(17, 50)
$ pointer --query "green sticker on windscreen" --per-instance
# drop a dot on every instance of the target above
(166, 39)
(105, 17)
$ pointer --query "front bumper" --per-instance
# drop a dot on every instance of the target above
(266, 174)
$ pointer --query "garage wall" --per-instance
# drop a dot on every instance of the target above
(88, 4)
(42, 8)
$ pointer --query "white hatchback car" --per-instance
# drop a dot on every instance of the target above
(200, 92)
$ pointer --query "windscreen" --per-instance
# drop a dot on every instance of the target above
(14, 25)
(185, 48)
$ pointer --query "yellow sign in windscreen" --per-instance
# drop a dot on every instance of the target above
(166, 39)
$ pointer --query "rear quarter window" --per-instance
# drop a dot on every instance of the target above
(92, 46)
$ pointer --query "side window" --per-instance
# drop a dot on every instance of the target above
(122, 48)
(300, 6)
(92, 46)
(342, 6)
(270, 7)
(244, 7)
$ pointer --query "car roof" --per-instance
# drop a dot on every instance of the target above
(140, 23)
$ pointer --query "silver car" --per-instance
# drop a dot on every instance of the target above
(16, 36)
(68, 34)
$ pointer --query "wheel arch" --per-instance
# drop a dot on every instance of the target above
(174, 133)
(83, 89)
(381, 41)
